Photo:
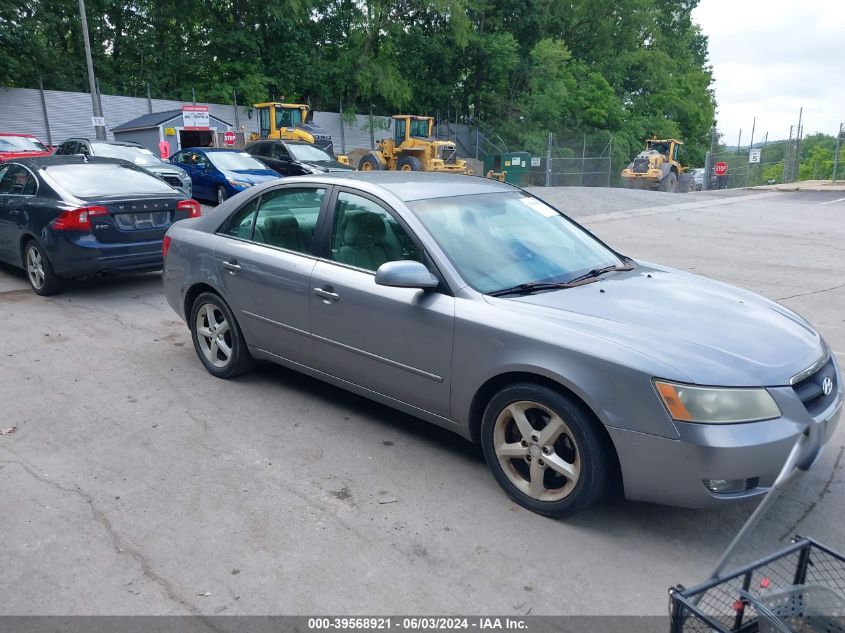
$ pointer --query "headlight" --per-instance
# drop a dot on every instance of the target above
(240, 183)
(716, 405)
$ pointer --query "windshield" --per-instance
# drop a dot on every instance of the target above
(234, 161)
(419, 128)
(91, 180)
(308, 153)
(137, 155)
(288, 117)
(20, 144)
(500, 240)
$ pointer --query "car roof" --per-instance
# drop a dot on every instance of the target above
(18, 134)
(75, 159)
(209, 149)
(409, 186)
(96, 140)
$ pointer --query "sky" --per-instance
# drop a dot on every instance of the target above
(770, 58)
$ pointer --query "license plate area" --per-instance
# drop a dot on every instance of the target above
(143, 221)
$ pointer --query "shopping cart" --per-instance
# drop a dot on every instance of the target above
(799, 589)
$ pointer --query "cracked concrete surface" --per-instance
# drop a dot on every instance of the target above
(138, 484)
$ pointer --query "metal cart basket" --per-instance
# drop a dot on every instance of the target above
(799, 589)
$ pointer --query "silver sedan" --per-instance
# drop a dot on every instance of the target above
(478, 307)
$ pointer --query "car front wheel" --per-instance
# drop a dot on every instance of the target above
(217, 337)
(544, 450)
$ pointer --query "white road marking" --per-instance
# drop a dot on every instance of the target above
(833, 201)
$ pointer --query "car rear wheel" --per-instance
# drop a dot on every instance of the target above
(39, 271)
(217, 337)
(544, 450)
(221, 194)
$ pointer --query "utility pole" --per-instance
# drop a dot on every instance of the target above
(100, 130)
(836, 153)
(798, 145)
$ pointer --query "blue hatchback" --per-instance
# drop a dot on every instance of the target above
(218, 174)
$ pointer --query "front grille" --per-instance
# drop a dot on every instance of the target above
(640, 165)
(811, 389)
(172, 180)
(448, 154)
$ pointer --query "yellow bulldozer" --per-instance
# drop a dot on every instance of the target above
(291, 122)
(657, 167)
(413, 148)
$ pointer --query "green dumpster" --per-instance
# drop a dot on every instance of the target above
(515, 166)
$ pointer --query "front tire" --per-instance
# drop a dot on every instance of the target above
(669, 183)
(39, 271)
(409, 163)
(544, 450)
(369, 162)
(217, 338)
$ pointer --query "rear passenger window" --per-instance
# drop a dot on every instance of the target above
(18, 181)
(287, 218)
(240, 224)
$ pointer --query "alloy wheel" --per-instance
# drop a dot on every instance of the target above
(214, 335)
(537, 451)
(35, 267)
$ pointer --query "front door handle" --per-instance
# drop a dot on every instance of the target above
(232, 267)
(326, 295)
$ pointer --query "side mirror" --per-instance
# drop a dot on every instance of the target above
(405, 274)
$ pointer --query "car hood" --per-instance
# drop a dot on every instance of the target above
(710, 332)
(254, 176)
(327, 166)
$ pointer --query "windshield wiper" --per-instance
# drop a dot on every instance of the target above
(598, 272)
(532, 286)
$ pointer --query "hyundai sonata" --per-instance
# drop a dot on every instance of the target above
(474, 305)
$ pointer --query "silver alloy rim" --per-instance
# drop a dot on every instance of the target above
(221, 195)
(537, 451)
(214, 335)
(35, 267)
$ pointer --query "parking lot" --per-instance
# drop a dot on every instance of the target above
(136, 483)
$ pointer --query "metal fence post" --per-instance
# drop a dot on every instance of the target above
(149, 99)
(583, 161)
(609, 159)
(372, 132)
(235, 97)
(708, 167)
(549, 161)
(47, 121)
(797, 169)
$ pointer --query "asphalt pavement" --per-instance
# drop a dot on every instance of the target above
(136, 483)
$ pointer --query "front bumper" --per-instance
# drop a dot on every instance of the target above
(671, 471)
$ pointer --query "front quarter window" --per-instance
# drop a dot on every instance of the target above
(501, 240)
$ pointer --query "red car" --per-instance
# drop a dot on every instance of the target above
(14, 146)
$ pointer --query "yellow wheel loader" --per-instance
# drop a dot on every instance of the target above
(292, 122)
(657, 168)
(413, 148)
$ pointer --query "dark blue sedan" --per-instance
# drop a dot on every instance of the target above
(218, 174)
(74, 216)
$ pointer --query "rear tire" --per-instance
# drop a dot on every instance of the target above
(669, 183)
(544, 450)
(409, 163)
(39, 271)
(369, 162)
(217, 337)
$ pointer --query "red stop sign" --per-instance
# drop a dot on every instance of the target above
(229, 138)
(720, 168)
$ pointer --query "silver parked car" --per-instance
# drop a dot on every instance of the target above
(474, 305)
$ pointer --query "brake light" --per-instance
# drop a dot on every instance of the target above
(191, 206)
(165, 245)
(78, 219)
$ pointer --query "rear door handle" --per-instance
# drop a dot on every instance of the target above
(232, 267)
(326, 295)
